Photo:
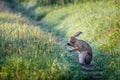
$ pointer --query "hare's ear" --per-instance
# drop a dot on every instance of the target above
(77, 34)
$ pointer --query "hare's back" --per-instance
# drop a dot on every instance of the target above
(84, 46)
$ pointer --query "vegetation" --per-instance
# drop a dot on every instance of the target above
(49, 2)
(100, 25)
(99, 22)
(33, 52)
(27, 52)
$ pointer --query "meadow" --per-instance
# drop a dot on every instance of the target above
(32, 39)
(27, 52)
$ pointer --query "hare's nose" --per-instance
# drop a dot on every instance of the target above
(68, 43)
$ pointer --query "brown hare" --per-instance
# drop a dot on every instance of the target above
(85, 51)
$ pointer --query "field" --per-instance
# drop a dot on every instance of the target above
(32, 40)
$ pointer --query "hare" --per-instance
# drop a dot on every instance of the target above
(85, 51)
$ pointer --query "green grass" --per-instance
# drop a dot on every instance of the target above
(33, 52)
(100, 24)
(27, 52)
(98, 21)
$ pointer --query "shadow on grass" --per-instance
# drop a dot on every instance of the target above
(26, 12)
(30, 14)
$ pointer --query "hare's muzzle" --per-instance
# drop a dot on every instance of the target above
(69, 44)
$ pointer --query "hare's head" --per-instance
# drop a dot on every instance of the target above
(73, 39)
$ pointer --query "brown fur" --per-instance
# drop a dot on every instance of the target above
(85, 55)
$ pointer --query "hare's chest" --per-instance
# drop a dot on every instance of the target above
(81, 58)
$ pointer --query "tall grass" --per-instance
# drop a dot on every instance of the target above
(27, 52)
(98, 21)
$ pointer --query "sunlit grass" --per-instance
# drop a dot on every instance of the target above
(100, 25)
(27, 52)
(96, 21)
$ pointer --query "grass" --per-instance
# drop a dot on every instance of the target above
(96, 21)
(27, 52)
(30, 51)
(100, 24)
